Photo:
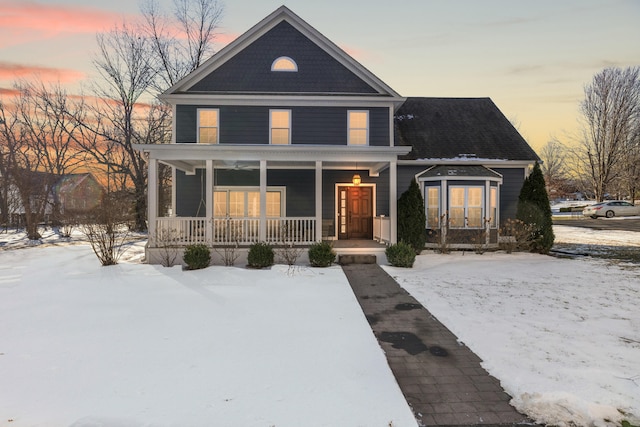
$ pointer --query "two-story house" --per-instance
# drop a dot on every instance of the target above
(283, 137)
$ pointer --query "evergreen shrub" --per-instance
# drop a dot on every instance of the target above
(534, 210)
(197, 256)
(401, 255)
(260, 255)
(412, 218)
(321, 254)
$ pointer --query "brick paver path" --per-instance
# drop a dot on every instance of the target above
(440, 377)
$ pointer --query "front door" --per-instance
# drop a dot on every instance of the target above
(355, 212)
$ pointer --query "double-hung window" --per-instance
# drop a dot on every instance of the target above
(358, 127)
(280, 127)
(208, 125)
(465, 207)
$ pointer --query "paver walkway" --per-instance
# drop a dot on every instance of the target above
(441, 378)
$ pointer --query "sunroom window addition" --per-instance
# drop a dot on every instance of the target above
(358, 124)
(284, 63)
(208, 126)
(280, 125)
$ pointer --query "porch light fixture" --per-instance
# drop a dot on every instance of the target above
(356, 179)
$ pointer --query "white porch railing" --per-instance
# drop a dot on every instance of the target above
(181, 231)
(382, 229)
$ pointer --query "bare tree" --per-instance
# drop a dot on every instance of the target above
(183, 41)
(37, 149)
(553, 156)
(610, 111)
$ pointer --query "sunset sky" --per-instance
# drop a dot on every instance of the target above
(532, 58)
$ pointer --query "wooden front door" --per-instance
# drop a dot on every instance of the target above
(355, 212)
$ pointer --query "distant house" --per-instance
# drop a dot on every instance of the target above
(283, 137)
(58, 195)
(79, 192)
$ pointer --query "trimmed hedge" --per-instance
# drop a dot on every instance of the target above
(260, 255)
(321, 254)
(197, 256)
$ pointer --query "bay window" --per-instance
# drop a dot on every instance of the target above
(465, 207)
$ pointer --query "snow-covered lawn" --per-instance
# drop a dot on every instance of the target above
(563, 336)
(140, 345)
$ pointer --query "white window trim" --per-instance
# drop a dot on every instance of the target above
(349, 127)
(247, 189)
(271, 128)
(285, 58)
(217, 110)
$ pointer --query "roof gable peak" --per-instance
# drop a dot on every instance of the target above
(282, 14)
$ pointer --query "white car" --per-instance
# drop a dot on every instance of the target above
(611, 208)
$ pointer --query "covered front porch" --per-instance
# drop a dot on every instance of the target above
(225, 195)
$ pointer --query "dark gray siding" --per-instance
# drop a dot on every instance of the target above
(309, 125)
(512, 180)
(250, 69)
(405, 175)
(190, 196)
(301, 191)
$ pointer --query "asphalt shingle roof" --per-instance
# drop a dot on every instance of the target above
(451, 128)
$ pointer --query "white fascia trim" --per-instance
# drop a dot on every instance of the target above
(282, 100)
(510, 164)
(254, 152)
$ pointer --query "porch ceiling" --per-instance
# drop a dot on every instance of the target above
(189, 157)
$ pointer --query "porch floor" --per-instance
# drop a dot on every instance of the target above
(357, 244)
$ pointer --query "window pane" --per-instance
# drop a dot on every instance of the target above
(273, 204)
(219, 203)
(253, 204)
(208, 118)
(493, 210)
(456, 197)
(208, 136)
(280, 136)
(279, 119)
(358, 137)
(433, 207)
(456, 217)
(236, 203)
(474, 217)
(475, 196)
(284, 64)
(358, 119)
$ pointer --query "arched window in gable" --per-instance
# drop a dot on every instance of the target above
(284, 63)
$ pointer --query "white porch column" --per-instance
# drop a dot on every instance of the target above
(393, 201)
(318, 201)
(173, 191)
(263, 200)
(209, 199)
(152, 199)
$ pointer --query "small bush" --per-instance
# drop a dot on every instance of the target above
(321, 254)
(260, 255)
(401, 255)
(197, 257)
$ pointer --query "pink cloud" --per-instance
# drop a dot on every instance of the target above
(54, 19)
(12, 71)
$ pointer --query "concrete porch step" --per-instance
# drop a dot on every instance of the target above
(348, 259)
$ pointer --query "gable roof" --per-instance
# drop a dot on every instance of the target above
(458, 128)
(244, 66)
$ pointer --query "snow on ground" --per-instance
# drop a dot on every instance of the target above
(141, 345)
(562, 335)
